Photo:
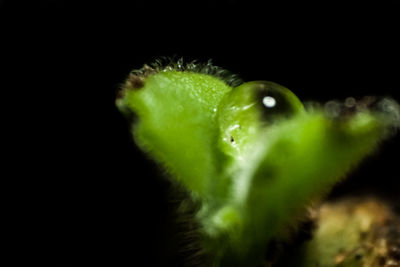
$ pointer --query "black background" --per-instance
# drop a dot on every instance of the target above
(81, 194)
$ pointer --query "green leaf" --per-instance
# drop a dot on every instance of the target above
(177, 124)
(251, 155)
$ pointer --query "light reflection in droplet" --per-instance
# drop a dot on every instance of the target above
(269, 101)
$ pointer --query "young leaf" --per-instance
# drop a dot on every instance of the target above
(251, 155)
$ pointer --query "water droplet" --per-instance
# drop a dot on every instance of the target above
(350, 102)
(332, 109)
